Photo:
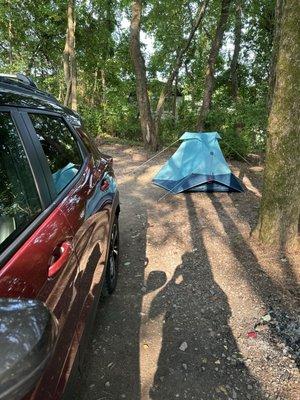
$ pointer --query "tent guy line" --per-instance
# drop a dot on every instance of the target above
(155, 155)
(209, 181)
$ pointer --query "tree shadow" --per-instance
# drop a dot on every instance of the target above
(199, 357)
(282, 300)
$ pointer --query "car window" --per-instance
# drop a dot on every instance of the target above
(60, 147)
(89, 143)
(19, 200)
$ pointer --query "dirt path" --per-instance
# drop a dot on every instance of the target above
(191, 286)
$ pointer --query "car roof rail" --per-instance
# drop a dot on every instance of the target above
(21, 78)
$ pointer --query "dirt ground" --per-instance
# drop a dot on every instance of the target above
(201, 311)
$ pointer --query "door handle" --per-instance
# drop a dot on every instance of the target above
(60, 257)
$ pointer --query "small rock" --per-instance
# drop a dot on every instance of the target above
(184, 366)
(218, 362)
(127, 264)
(107, 384)
(222, 389)
(267, 318)
(183, 346)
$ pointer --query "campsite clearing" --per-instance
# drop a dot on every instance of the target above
(201, 311)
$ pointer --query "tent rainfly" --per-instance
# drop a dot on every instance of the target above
(198, 166)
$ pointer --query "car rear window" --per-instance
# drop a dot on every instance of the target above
(60, 148)
(19, 199)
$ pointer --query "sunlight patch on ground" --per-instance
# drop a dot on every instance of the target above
(246, 181)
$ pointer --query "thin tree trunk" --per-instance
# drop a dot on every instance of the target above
(276, 39)
(69, 59)
(280, 205)
(61, 90)
(95, 86)
(237, 48)
(178, 63)
(10, 41)
(174, 108)
(210, 71)
(103, 84)
(146, 119)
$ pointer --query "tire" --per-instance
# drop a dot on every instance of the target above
(112, 267)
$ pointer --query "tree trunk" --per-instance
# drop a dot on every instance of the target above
(178, 63)
(210, 71)
(95, 87)
(237, 48)
(174, 105)
(69, 59)
(146, 119)
(103, 85)
(10, 42)
(280, 205)
(276, 39)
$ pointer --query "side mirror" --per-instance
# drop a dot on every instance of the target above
(28, 333)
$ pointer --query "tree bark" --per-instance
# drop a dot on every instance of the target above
(178, 63)
(146, 118)
(210, 71)
(280, 205)
(103, 85)
(237, 48)
(174, 105)
(10, 42)
(69, 59)
(275, 49)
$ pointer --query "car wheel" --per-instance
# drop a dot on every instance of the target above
(112, 267)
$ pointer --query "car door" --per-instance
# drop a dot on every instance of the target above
(81, 187)
(38, 258)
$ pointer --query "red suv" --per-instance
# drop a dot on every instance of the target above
(59, 239)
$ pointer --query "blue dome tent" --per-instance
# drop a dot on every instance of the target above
(198, 166)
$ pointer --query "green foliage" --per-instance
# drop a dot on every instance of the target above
(32, 36)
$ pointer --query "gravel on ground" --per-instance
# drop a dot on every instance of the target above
(202, 311)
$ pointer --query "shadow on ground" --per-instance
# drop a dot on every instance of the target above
(199, 356)
(275, 297)
(197, 315)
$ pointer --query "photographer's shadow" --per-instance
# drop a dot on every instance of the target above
(199, 357)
